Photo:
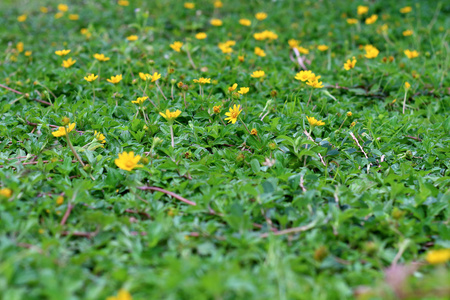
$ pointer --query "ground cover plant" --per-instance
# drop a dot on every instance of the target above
(224, 149)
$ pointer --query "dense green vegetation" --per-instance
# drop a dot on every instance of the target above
(299, 187)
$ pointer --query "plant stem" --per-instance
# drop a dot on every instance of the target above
(93, 91)
(190, 59)
(72, 148)
(161, 90)
(342, 123)
(404, 102)
(310, 95)
(171, 136)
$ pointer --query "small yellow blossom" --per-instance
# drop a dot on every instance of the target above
(372, 19)
(127, 162)
(63, 7)
(350, 64)
(322, 47)
(260, 52)
(216, 22)
(408, 32)
(218, 4)
(217, 108)
(349, 114)
(22, 18)
(59, 15)
(123, 2)
(304, 75)
(115, 79)
(302, 50)
(202, 80)
(361, 9)
(241, 58)
(170, 116)
(145, 76)
(293, 43)
(132, 38)
(243, 90)
(62, 130)
(406, 9)
(438, 256)
(189, 5)
(140, 100)
(62, 52)
(6, 192)
(59, 200)
(411, 54)
(20, 47)
(43, 9)
(201, 36)
(254, 131)
(407, 85)
(90, 77)
(315, 83)
(352, 21)
(122, 295)
(258, 74)
(353, 124)
(233, 87)
(233, 114)
(68, 63)
(314, 122)
(99, 137)
(28, 53)
(261, 16)
(176, 46)
(155, 76)
(74, 17)
(245, 22)
(101, 57)
(371, 51)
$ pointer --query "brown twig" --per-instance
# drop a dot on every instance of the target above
(357, 143)
(154, 188)
(67, 214)
(20, 93)
(311, 139)
(414, 138)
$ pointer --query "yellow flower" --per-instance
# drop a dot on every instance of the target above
(243, 90)
(233, 87)
(408, 32)
(74, 17)
(59, 15)
(145, 76)
(411, 54)
(258, 74)
(20, 47)
(218, 4)
(62, 52)
(349, 114)
(322, 47)
(407, 85)
(261, 16)
(371, 51)
(101, 57)
(302, 50)
(202, 80)
(132, 38)
(43, 9)
(68, 63)
(304, 75)
(155, 76)
(438, 256)
(63, 7)
(350, 64)
(372, 19)
(353, 124)
(6, 192)
(123, 2)
(90, 77)
(200, 36)
(233, 114)
(352, 21)
(62, 130)
(254, 131)
(216, 109)
(406, 9)
(189, 5)
(293, 43)
(140, 100)
(99, 137)
(176, 46)
(260, 52)
(127, 162)
(28, 53)
(315, 83)
(361, 10)
(170, 116)
(245, 22)
(22, 18)
(241, 58)
(225, 48)
(59, 200)
(115, 79)
(216, 22)
(314, 122)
